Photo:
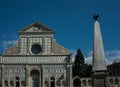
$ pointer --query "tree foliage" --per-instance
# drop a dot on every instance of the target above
(80, 68)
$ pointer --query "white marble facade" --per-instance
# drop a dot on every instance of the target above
(36, 60)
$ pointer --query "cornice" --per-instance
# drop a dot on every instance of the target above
(32, 55)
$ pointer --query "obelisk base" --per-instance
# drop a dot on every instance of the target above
(98, 79)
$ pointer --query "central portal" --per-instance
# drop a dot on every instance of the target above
(34, 78)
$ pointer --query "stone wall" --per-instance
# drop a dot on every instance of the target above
(87, 82)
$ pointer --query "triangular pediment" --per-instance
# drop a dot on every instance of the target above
(36, 27)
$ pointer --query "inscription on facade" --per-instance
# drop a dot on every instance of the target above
(52, 59)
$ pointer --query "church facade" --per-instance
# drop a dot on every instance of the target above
(36, 60)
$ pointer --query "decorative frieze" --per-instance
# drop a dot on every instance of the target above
(40, 59)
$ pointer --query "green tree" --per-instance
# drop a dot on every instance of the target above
(78, 64)
(87, 70)
(79, 67)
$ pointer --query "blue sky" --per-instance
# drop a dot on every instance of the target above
(71, 19)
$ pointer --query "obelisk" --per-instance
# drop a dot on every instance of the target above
(99, 67)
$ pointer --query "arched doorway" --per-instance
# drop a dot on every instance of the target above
(76, 82)
(34, 78)
(52, 82)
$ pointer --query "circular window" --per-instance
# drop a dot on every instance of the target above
(36, 49)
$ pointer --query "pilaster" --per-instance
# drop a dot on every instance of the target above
(69, 76)
(27, 78)
(42, 76)
(0, 71)
(3, 75)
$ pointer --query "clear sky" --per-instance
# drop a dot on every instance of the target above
(71, 19)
